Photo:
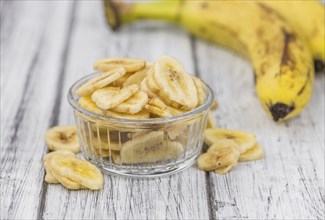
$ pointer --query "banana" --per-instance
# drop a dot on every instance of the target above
(110, 97)
(100, 81)
(157, 112)
(245, 140)
(310, 26)
(76, 170)
(143, 114)
(134, 104)
(282, 61)
(149, 148)
(137, 77)
(130, 65)
(66, 182)
(256, 153)
(50, 179)
(89, 105)
(220, 157)
(62, 138)
(175, 85)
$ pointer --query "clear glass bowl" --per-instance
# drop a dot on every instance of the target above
(140, 148)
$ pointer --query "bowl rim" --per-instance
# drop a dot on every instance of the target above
(73, 100)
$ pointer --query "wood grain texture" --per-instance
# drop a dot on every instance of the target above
(180, 196)
(30, 53)
(289, 182)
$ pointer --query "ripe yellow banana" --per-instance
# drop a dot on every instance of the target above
(282, 62)
(308, 20)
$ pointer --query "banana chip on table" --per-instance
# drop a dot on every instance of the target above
(245, 140)
(100, 81)
(62, 138)
(220, 157)
(255, 153)
(76, 170)
(130, 65)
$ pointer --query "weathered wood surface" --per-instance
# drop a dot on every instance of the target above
(46, 46)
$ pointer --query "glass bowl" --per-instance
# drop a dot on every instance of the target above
(140, 148)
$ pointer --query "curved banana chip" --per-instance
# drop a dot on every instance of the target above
(49, 178)
(256, 153)
(76, 170)
(144, 87)
(121, 80)
(244, 139)
(66, 182)
(100, 81)
(89, 105)
(62, 138)
(137, 77)
(201, 94)
(130, 65)
(134, 104)
(149, 148)
(110, 97)
(174, 84)
(220, 157)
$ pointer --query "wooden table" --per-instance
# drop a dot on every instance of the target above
(47, 45)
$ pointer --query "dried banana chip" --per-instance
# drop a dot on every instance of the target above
(62, 138)
(89, 105)
(149, 148)
(110, 97)
(50, 179)
(134, 104)
(245, 140)
(100, 81)
(137, 77)
(157, 112)
(130, 65)
(174, 83)
(144, 87)
(76, 170)
(200, 90)
(219, 156)
(255, 153)
(66, 182)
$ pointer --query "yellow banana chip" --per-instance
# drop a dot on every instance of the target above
(110, 97)
(245, 140)
(62, 138)
(76, 170)
(143, 114)
(137, 77)
(130, 65)
(220, 157)
(200, 91)
(255, 153)
(134, 104)
(100, 81)
(89, 105)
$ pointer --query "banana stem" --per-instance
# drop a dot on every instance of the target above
(118, 13)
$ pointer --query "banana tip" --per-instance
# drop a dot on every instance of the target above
(280, 110)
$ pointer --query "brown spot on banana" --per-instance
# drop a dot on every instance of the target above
(269, 10)
(319, 66)
(280, 110)
(288, 38)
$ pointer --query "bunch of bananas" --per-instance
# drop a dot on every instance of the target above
(279, 38)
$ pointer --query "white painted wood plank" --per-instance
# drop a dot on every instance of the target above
(31, 52)
(181, 196)
(289, 182)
